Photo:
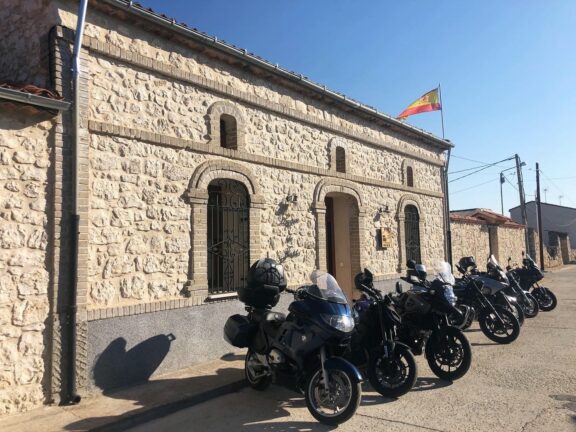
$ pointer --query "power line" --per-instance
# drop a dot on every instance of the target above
(481, 169)
(556, 186)
(475, 186)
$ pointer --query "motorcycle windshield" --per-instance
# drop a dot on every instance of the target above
(493, 261)
(325, 287)
(444, 273)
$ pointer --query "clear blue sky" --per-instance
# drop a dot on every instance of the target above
(507, 70)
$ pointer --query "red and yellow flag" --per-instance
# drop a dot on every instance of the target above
(429, 102)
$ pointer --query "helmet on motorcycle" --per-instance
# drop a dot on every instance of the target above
(466, 264)
(363, 278)
(266, 280)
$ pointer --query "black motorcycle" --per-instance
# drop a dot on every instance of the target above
(301, 351)
(495, 284)
(496, 322)
(526, 300)
(528, 276)
(424, 310)
(390, 365)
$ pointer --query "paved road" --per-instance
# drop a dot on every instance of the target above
(527, 386)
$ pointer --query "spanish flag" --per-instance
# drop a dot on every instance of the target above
(429, 102)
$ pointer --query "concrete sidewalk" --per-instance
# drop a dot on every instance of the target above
(119, 410)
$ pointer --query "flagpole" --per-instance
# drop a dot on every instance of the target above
(441, 109)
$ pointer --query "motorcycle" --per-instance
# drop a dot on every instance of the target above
(495, 284)
(301, 351)
(390, 365)
(497, 323)
(526, 300)
(424, 310)
(528, 276)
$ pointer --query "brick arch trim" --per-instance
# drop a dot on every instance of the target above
(222, 168)
(215, 112)
(328, 185)
(407, 200)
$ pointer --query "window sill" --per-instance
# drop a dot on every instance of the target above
(223, 296)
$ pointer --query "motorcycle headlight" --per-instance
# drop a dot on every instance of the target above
(344, 323)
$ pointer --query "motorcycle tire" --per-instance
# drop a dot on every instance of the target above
(494, 331)
(531, 309)
(469, 321)
(546, 299)
(448, 347)
(315, 395)
(518, 312)
(256, 382)
(395, 375)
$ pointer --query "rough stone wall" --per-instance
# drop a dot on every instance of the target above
(24, 164)
(24, 36)
(470, 239)
(511, 243)
(140, 222)
(148, 101)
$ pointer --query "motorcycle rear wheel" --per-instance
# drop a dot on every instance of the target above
(503, 334)
(336, 404)
(258, 381)
(448, 353)
(395, 375)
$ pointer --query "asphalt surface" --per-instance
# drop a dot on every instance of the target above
(527, 386)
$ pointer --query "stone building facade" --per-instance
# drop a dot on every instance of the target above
(195, 159)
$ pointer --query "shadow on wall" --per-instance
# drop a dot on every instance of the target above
(116, 367)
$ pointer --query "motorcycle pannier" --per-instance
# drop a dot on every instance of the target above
(239, 331)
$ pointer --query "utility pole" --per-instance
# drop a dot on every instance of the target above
(502, 180)
(539, 206)
(522, 199)
(545, 192)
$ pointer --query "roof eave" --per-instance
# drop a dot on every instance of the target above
(243, 55)
(31, 99)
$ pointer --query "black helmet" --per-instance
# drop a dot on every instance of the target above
(466, 264)
(363, 278)
(266, 271)
(266, 280)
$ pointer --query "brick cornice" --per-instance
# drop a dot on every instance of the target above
(150, 64)
(169, 141)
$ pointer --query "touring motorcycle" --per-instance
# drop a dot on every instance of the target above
(301, 351)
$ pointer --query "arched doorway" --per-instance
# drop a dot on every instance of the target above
(342, 239)
(412, 233)
(228, 229)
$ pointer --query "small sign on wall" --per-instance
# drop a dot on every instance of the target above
(384, 238)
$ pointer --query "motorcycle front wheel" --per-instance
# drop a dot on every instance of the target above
(448, 353)
(256, 373)
(503, 333)
(546, 298)
(336, 403)
(531, 307)
(395, 374)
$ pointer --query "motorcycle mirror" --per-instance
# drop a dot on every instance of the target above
(411, 264)
(398, 288)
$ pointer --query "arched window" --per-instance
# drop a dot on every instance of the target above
(340, 159)
(228, 132)
(412, 233)
(409, 177)
(228, 236)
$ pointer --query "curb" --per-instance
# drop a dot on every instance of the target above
(167, 409)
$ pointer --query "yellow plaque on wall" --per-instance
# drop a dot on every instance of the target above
(386, 237)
